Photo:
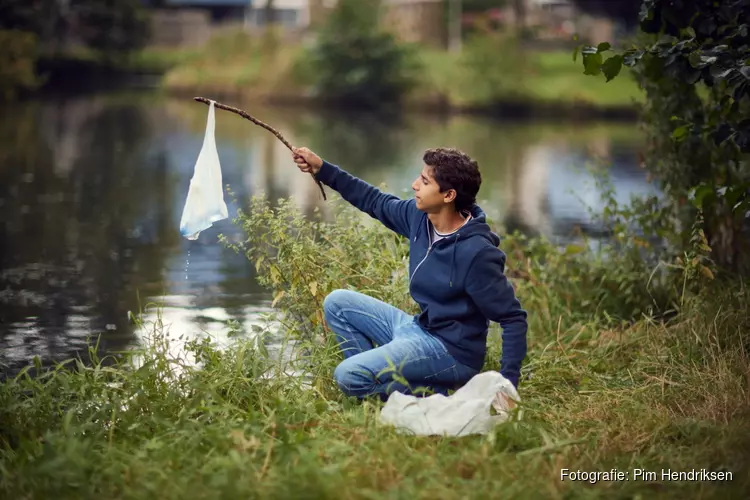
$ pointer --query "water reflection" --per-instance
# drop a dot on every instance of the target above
(92, 189)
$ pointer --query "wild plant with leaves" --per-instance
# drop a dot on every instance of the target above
(691, 58)
(648, 394)
(301, 260)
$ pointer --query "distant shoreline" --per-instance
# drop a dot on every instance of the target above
(557, 89)
(515, 109)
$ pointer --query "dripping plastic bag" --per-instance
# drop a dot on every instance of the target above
(205, 199)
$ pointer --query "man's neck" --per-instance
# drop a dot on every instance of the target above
(446, 221)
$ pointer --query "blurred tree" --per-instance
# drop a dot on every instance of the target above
(317, 12)
(519, 7)
(18, 53)
(272, 34)
(270, 12)
(112, 28)
(43, 18)
(356, 62)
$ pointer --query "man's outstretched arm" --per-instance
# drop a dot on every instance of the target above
(493, 294)
(393, 212)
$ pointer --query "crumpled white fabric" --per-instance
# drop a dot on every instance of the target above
(465, 412)
(205, 200)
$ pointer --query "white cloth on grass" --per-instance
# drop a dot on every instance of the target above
(205, 199)
(467, 411)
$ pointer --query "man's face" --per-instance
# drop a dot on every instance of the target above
(427, 192)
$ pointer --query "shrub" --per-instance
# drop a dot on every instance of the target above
(637, 274)
(691, 60)
(354, 62)
(301, 260)
(18, 55)
(114, 28)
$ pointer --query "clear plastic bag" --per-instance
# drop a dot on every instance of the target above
(205, 200)
(485, 401)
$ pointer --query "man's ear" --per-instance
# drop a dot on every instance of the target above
(449, 196)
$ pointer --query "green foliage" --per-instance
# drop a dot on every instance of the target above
(639, 272)
(691, 60)
(250, 420)
(301, 260)
(357, 63)
(238, 422)
(114, 27)
(18, 54)
(41, 17)
(702, 41)
(643, 271)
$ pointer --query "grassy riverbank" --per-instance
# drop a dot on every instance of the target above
(649, 397)
(489, 76)
(601, 394)
(531, 82)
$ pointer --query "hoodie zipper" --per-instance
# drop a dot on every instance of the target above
(429, 248)
(420, 263)
(426, 255)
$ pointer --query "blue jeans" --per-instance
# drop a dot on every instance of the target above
(385, 350)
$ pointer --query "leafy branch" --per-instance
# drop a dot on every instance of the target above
(693, 41)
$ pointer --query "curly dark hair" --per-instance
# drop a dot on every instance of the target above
(454, 169)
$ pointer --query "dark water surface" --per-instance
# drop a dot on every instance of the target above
(92, 190)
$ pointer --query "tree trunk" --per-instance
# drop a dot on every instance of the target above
(317, 13)
(270, 35)
(519, 7)
(454, 25)
(270, 13)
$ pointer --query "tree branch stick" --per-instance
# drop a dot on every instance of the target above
(275, 132)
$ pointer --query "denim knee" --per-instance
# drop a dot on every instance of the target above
(352, 379)
(334, 300)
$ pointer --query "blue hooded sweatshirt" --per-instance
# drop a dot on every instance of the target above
(458, 282)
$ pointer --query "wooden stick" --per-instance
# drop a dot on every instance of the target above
(275, 132)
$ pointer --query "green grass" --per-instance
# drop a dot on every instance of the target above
(153, 59)
(162, 59)
(541, 78)
(236, 63)
(649, 396)
(597, 393)
(558, 78)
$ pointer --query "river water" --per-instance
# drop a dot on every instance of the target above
(92, 190)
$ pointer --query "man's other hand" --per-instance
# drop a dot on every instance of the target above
(306, 160)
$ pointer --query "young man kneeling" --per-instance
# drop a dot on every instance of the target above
(456, 276)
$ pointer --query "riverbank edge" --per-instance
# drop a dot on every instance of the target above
(81, 73)
(515, 108)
